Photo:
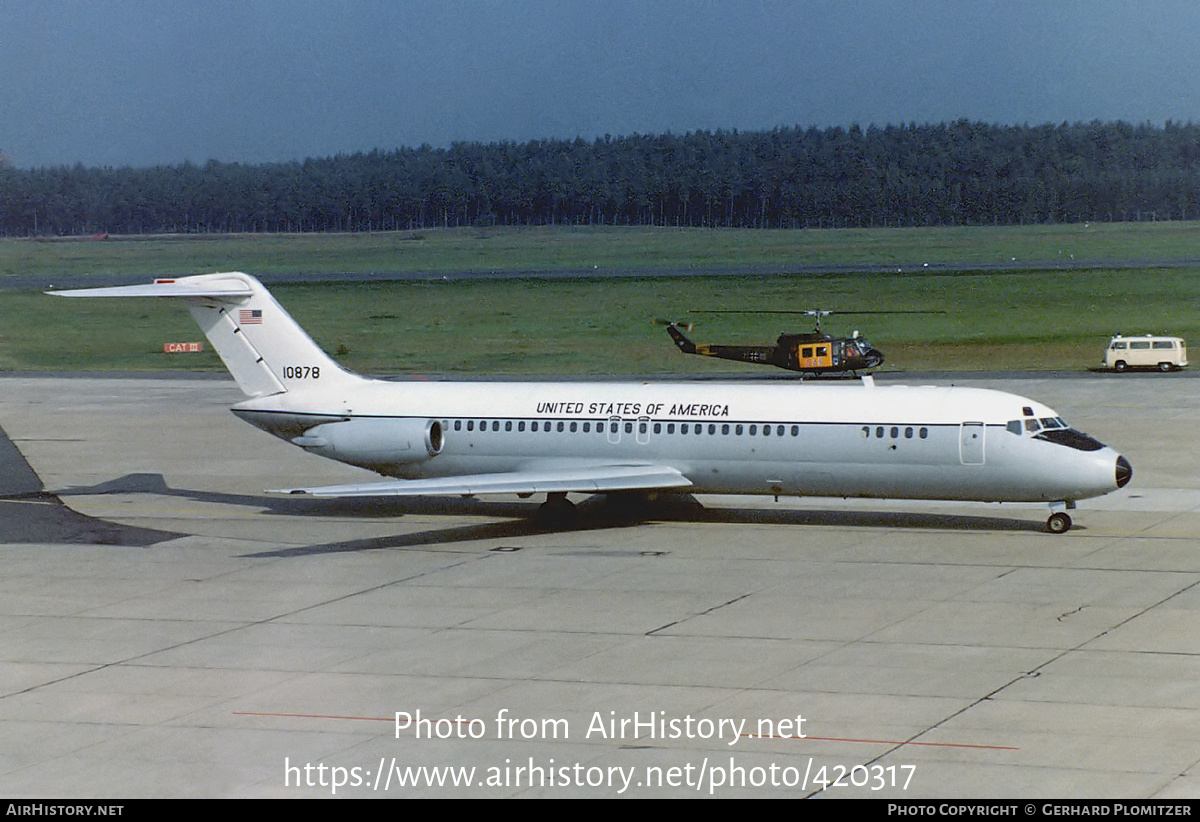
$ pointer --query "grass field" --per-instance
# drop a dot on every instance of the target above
(564, 248)
(1028, 320)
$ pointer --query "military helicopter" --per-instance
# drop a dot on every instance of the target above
(814, 353)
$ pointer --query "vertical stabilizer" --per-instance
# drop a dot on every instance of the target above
(265, 350)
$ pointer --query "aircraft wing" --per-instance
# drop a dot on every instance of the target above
(588, 479)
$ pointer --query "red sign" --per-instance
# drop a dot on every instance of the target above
(182, 347)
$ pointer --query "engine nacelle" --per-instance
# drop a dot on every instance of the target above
(375, 442)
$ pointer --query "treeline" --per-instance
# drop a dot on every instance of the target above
(950, 174)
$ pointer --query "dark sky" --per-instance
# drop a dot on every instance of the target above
(143, 82)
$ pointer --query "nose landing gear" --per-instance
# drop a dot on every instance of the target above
(1059, 521)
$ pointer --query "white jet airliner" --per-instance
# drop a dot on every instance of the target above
(799, 439)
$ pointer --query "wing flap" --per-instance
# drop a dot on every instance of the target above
(586, 479)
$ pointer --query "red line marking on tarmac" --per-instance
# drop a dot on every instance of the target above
(886, 742)
(317, 716)
(744, 736)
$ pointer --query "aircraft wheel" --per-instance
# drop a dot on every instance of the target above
(1058, 523)
(1120, 365)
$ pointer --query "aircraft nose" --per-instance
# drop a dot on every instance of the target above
(1124, 472)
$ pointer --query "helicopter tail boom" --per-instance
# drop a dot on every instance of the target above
(681, 342)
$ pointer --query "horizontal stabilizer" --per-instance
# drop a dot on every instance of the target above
(589, 479)
(213, 286)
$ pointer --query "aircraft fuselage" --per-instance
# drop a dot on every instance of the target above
(848, 440)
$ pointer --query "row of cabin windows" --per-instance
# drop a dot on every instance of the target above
(893, 432)
(628, 425)
(643, 427)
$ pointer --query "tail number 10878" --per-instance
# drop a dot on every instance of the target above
(302, 372)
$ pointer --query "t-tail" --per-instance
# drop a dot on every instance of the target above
(265, 350)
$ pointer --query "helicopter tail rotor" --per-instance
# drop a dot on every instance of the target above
(684, 324)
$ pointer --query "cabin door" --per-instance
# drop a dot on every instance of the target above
(970, 443)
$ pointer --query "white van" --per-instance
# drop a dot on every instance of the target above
(1163, 353)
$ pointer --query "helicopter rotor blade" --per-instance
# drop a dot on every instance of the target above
(818, 313)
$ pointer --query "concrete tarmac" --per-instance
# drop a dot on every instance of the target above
(230, 644)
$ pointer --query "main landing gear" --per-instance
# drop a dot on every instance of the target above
(556, 511)
(1059, 521)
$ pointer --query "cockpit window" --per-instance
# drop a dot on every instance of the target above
(1032, 425)
(1071, 438)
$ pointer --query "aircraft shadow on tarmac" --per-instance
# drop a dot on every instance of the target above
(595, 513)
(29, 514)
